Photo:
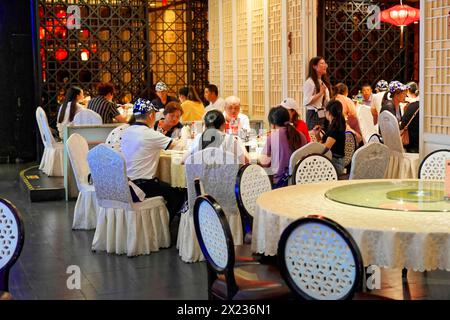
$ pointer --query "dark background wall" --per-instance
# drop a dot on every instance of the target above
(17, 100)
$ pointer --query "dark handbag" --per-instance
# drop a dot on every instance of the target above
(404, 133)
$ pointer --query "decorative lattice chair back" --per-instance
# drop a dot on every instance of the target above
(314, 168)
(213, 233)
(433, 165)
(306, 150)
(350, 147)
(375, 138)
(77, 150)
(252, 181)
(390, 131)
(11, 239)
(87, 117)
(108, 173)
(370, 162)
(44, 129)
(319, 260)
(115, 137)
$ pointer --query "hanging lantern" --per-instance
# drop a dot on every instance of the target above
(61, 54)
(41, 33)
(84, 55)
(164, 2)
(401, 16)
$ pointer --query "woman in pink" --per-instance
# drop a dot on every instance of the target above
(348, 109)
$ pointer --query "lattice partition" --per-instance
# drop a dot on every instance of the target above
(112, 36)
(214, 44)
(275, 52)
(258, 58)
(227, 15)
(168, 57)
(356, 54)
(437, 67)
(296, 65)
(199, 22)
(242, 54)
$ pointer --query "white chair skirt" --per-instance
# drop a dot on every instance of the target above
(403, 166)
(138, 232)
(52, 160)
(187, 243)
(86, 209)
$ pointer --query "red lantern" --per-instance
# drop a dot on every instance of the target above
(41, 33)
(401, 16)
(94, 48)
(164, 2)
(61, 32)
(61, 54)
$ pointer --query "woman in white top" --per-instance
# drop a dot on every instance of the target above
(215, 136)
(316, 92)
(70, 107)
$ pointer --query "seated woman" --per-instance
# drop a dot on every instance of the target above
(411, 119)
(348, 110)
(398, 93)
(334, 138)
(294, 115)
(215, 136)
(70, 107)
(193, 108)
(282, 141)
(170, 125)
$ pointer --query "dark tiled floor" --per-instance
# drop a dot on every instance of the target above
(51, 247)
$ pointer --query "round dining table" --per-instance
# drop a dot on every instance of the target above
(395, 223)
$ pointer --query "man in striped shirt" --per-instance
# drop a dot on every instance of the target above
(103, 105)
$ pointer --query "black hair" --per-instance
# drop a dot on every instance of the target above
(334, 107)
(213, 88)
(279, 116)
(184, 91)
(71, 97)
(313, 74)
(214, 119)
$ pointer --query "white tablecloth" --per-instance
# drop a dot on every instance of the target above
(170, 169)
(392, 239)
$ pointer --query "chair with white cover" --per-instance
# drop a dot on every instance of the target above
(252, 181)
(375, 138)
(124, 227)
(306, 150)
(115, 137)
(433, 165)
(314, 168)
(12, 236)
(349, 148)
(86, 208)
(217, 171)
(87, 117)
(402, 165)
(226, 279)
(320, 260)
(52, 159)
(370, 162)
(366, 125)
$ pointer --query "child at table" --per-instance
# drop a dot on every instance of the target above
(281, 142)
(215, 136)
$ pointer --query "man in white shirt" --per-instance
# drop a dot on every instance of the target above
(141, 146)
(212, 96)
(233, 113)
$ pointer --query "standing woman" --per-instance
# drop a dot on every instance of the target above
(70, 107)
(334, 138)
(316, 92)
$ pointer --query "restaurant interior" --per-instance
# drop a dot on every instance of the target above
(225, 150)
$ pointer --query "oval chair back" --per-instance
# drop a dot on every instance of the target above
(87, 117)
(252, 181)
(12, 236)
(375, 138)
(314, 168)
(390, 131)
(44, 129)
(370, 162)
(216, 242)
(115, 137)
(350, 147)
(319, 260)
(77, 150)
(432, 166)
(306, 150)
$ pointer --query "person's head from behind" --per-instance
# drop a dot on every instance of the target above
(279, 118)
(340, 89)
(211, 93)
(172, 114)
(193, 95)
(398, 92)
(366, 90)
(214, 126)
(291, 106)
(106, 90)
(333, 113)
(183, 94)
(144, 111)
(382, 86)
(232, 106)
(413, 91)
(73, 96)
(161, 90)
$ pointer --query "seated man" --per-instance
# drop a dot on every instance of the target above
(141, 146)
(367, 94)
(103, 105)
(233, 115)
(212, 96)
(163, 97)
